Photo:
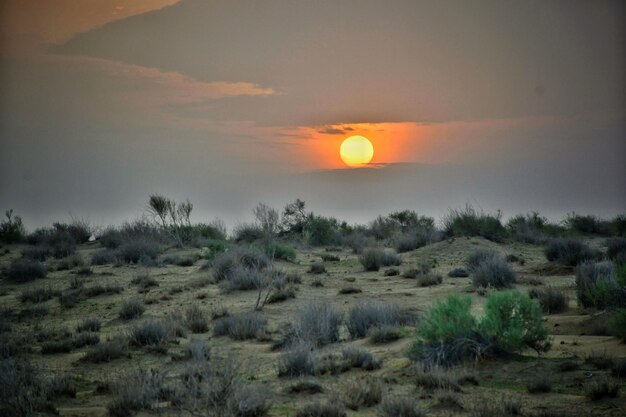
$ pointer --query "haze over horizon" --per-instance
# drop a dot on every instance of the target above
(508, 105)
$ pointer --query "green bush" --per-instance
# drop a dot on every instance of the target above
(513, 321)
(281, 252)
(618, 324)
(212, 248)
(448, 319)
(469, 222)
(449, 333)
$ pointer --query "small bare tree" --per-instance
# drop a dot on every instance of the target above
(172, 216)
(268, 220)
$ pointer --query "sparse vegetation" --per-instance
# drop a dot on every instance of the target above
(314, 338)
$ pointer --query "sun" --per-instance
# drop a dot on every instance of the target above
(356, 151)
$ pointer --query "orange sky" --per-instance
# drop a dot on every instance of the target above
(54, 21)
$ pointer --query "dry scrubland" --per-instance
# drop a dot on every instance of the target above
(302, 315)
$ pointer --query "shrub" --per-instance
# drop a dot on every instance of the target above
(281, 252)
(317, 268)
(96, 290)
(85, 339)
(616, 249)
(539, 383)
(242, 279)
(57, 346)
(248, 233)
(513, 321)
(23, 390)
(250, 400)
(445, 322)
(349, 290)
(24, 270)
(79, 231)
(12, 229)
(131, 309)
(436, 378)
(132, 251)
(37, 253)
(373, 259)
(212, 248)
(458, 273)
(494, 272)
(106, 351)
(550, 299)
(384, 334)
(319, 409)
(329, 258)
(568, 252)
(240, 326)
(469, 222)
(38, 295)
(197, 350)
(103, 257)
(362, 393)
(601, 387)
(299, 360)
(151, 332)
(429, 280)
(448, 320)
(309, 386)
(587, 224)
(618, 324)
(144, 281)
(597, 287)
(317, 322)
(178, 260)
(321, 231)
(478, 256)
(196, 320)
(391, 272)
(529, 228)
(139, 391)
(355, 357)
(400, 407)
(367, 315)
(410, 241)
(281, 291)
(89, 325)
(70, 262)
(227, 263)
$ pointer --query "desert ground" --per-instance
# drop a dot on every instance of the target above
(45, 324)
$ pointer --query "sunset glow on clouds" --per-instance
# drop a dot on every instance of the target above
(230, 93)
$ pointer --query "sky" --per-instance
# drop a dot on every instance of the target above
(504, 105)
